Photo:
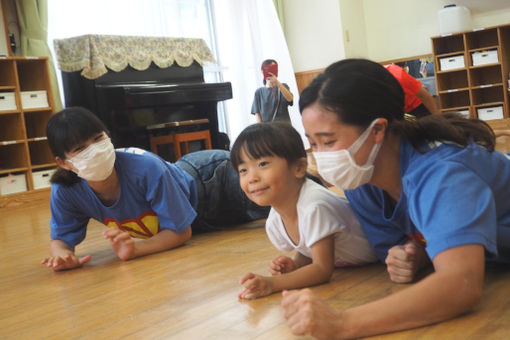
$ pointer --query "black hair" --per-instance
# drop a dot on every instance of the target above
(268, 139)
(67, 129)
(265, 63)
(358, 91)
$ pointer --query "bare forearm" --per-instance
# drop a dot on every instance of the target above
(306, 276)
(285, 92)
(429, 101)
(300, 260)
(258, 117)
(436, 298)
(164, 240)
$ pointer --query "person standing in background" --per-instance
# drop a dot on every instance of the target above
(271, 101)
(418, 101)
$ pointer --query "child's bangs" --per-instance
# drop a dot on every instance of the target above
(259, 149)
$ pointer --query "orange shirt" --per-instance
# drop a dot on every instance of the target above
(409, 84)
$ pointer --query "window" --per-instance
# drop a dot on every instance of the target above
(167, 18)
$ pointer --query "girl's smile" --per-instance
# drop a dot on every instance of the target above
(266, 180)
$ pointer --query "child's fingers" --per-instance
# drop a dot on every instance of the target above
(242, 293)
(274, 266)
(111, 232)
(84, 259)
(121, 237)
(246, 277)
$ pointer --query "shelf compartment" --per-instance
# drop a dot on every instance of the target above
(482, 38)
(8, 72)
(35, 123)
(490, 113)
(44, 166)
(11, 127)
(449, 44)
(13, 183)
(464, 111)
(451, 100)
(13, 156)
(484, 95)
(40, 153)
(486, 75)
(452, 80)
(32, 74)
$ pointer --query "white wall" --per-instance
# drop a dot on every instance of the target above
(376, 29)
(313, 29)
(353, 23)
(402, 28)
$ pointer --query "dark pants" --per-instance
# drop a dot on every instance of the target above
(221, 201)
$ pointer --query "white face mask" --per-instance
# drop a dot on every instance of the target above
(339, 167)
(95, 163)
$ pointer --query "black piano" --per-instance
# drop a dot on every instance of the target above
(130, 100)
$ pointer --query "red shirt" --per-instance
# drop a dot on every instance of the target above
(409, 84)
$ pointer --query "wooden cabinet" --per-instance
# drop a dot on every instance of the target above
(472, 72)
(24, 150)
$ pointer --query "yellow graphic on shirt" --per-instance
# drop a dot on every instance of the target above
(144, 226)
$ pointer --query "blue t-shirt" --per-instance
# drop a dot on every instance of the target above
(154, 195)
(451, 196)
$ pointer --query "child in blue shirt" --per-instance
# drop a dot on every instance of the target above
(134, 192)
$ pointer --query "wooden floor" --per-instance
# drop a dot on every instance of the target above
(186, 293)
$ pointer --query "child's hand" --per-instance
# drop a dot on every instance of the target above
(63, 262)
(255, 286)
(281, 265)
(122, 243)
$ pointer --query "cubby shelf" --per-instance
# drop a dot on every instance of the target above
(472, 86)
(23, 143)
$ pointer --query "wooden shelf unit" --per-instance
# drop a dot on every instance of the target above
(473, 87)
(24, 147)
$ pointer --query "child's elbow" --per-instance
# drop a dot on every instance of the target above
(326, 273)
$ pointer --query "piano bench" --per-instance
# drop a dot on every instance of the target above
(178, 138)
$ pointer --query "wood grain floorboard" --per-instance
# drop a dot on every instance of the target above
(186, 293)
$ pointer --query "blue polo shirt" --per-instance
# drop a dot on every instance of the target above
(451, 196)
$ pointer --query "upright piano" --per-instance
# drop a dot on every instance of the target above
(130, 100)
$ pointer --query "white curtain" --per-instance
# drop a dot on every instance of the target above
(242, 34)
(248, 32)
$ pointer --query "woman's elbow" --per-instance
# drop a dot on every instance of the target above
(186, 236)
(470, 294)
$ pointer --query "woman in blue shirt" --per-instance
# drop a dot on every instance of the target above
(425, 190)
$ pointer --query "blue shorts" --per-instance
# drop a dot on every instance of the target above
(221, 201)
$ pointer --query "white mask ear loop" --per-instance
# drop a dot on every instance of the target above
(354, 148)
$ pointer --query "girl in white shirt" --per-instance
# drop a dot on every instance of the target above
(305, 216)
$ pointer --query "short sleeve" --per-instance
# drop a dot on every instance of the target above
(410, 84)
(67, 223)
(170, 196)
(256, 106)
(322, 221)
(452, 206)
(368, 205)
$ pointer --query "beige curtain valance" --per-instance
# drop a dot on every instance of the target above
(93, 53)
